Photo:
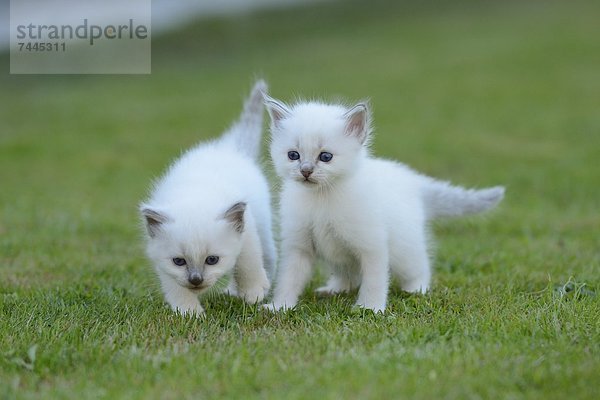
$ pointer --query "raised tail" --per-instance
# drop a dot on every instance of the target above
(246, 133)
(444, 200)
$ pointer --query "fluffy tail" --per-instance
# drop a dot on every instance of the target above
(245, 134)
(444, 200)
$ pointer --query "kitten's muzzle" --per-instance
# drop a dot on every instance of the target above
(306, 169)
(195, 279)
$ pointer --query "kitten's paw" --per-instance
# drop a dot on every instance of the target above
(255, 293)
(276, 307)
(328, 290)
(231, 289)
(376, 308)
(335, 285)
(253, 296)
(416, 286)
(191, 310)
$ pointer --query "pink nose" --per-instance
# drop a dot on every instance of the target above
(306, 169)
(195, 279)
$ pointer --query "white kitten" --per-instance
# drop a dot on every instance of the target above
(364, 216)
(211, 214)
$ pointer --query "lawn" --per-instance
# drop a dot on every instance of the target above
(480, 93)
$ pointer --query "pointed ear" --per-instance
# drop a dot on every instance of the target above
(235, 216)
(278, 110)
(153, 218)
(357, 122)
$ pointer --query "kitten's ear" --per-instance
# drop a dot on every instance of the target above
(153, 218)
(278, 110)
(235, 216)
(357, 122)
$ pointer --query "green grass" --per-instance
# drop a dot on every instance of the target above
(480, 93)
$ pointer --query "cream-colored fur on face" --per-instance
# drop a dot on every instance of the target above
(214, 201)
(365, 217)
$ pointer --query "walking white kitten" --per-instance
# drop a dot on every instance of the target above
(210, 214)
(364, 216)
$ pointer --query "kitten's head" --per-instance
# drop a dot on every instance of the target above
(316, 144)
(195, 249)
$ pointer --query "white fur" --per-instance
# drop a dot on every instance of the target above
(191, 200)
(364, 216)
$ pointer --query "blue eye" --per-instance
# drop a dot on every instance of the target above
(293, 155)
(211, 260)
(325, 156)
(180, 262)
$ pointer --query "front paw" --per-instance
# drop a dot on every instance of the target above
(275, 307)
(189, 310)
(327, 290)
(231, 289)
(376, 308)
(255, 293)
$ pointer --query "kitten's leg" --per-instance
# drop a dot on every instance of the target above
(231, 288)
(410, 262)
(339, 282)
(297, 254)
(295, 270)
(294, 273)
(415, 273)
(375, 280)
(250, 277)
(181, 300)
(265, 232)
(335, 284)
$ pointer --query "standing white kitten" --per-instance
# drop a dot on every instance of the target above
(364, 216)
(211, 214)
